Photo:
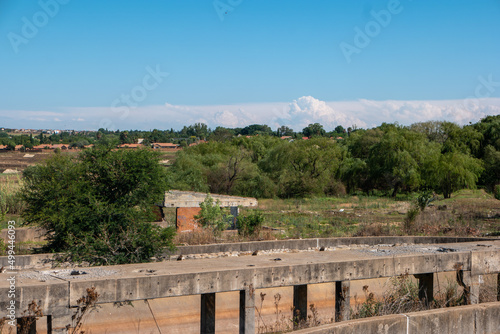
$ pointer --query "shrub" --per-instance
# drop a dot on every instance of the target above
(212, 216)
(96, 207)
(497, 191)
(409, 221)
(424, 199)
(250, 225)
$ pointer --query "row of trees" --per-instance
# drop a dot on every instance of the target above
(184, 137)
(438, 156)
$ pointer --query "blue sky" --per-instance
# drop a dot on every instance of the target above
(75, 64)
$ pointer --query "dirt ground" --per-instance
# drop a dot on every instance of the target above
(16, 160)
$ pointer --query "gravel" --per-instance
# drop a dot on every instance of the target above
(66, 274)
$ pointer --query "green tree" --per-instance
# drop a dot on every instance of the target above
(97, 207)
(314, 130)
(454, 171)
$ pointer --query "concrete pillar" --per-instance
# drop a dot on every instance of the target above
(234, 212)
(425, 288)
(58, 324)
(26, 325)
(342, 300)
(471, 284)
(498, 287)
(207, 323)
(247, 310)
(299, 304)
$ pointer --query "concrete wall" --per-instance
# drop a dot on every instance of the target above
(477, 319)
(304, 244)
(24, 234)
(41, 260)
(185, 219)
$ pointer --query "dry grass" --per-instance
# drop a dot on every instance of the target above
(9, 201)
(206, 236)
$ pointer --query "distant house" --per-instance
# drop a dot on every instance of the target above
(130, 146)
(165, 145)
(286, 137)
(305, 138)
(42, 147)
(59, 146)
(3, 147)
(19, 147)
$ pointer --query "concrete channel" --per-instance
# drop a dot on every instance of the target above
(144, 298)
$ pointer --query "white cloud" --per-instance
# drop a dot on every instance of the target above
(296, 114)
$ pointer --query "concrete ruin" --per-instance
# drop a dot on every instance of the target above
(187, 204)
(309, 262)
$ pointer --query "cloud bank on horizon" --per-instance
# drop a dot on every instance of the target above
(296, 114)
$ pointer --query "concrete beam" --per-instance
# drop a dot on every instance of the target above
(191, 199)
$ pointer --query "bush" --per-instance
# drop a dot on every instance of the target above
(424, 199)
(497, 191)
(409, 221)
(212, 216)
(96, 207)
(250, 225)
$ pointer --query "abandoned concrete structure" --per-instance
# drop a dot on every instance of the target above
(187, 204)
(326, 261)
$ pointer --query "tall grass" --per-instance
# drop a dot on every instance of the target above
(10, 202)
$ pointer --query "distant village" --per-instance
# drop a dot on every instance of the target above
(169, 140)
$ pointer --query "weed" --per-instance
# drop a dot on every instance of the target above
(409, 221)
(85, 305)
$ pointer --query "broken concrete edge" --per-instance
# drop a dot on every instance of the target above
(458, 320)
(191, 199)
(46, 260)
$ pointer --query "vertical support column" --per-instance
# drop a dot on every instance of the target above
(471, 284)
(207, 323)
(58, 324)
(425, 288)
(234, 212)
(342, 300)
(26, 325)
(299, 304)
(498, 287)
(247, 310)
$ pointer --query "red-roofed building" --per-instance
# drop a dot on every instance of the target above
(165, 145)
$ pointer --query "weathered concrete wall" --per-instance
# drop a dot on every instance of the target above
(477, 319)
(24, 234)
(191, 199)
(41, 260)
(317, 243)
(29, 261)
(185, 219)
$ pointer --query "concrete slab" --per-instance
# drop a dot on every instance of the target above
(191, 199)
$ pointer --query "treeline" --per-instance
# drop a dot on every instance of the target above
(187, 135)
(389, 159)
